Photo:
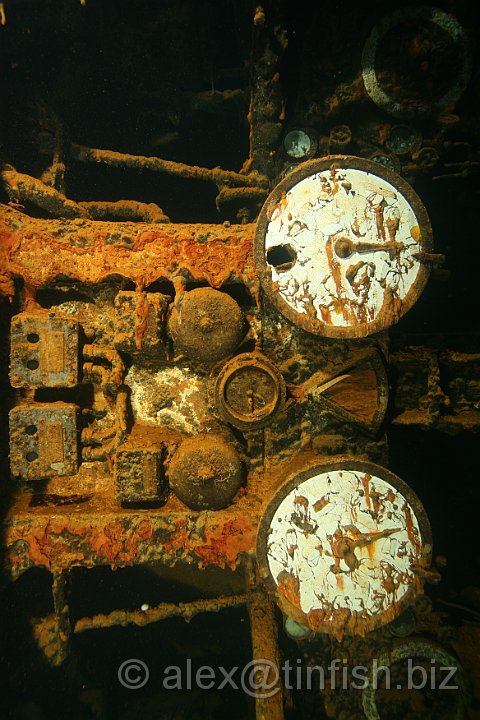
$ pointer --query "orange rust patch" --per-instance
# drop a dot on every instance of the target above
(143, 311)
(224, 543)
(366, 488)
(64, 542)
(89, 251)
(289, 587)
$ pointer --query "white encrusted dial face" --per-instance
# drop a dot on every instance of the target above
(343, 548)
(343, 249)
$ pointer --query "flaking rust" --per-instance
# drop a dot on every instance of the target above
(40, 251)
(89, 535)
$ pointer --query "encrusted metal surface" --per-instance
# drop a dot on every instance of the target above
(83, 525)
(44, 350)
(206, 325)
(206, 472)
(90, 252)
(140, 322)
(437, 389)
(43, 440)
(139, 473)
(152, 402)
(178, 388)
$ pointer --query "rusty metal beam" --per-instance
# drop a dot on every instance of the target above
(192, 172)
(91, 529)
(91, 251)
(164, 611)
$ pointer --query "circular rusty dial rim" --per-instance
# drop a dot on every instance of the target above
(256, 361)
(356, 624)
(450, 25)
(315, 325)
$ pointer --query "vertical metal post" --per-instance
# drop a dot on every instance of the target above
(63, 624)
(265, 656)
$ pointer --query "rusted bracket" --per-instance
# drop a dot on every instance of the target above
(434, 259)
(53, 634)
(438, 390)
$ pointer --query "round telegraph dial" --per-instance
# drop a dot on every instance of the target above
(341, 247)
(344, 545)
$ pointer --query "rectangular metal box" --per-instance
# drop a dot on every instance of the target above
(43, 440)
(139, 473)
(44, 351)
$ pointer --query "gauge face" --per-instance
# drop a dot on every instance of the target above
(336, 247)
(389, 161)
(249, 391)
(297, 144)
(403, 139)
(342, 544)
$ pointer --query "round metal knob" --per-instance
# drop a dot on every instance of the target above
(249, 391)
(206, 324)
(206, 472)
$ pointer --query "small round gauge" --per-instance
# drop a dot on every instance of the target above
(249, 391)
(345, 546)
(427, 158)
(340, 136)
(299, 144)
(403, 139)
(398, 659)
(340, 246)
(389, 161)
